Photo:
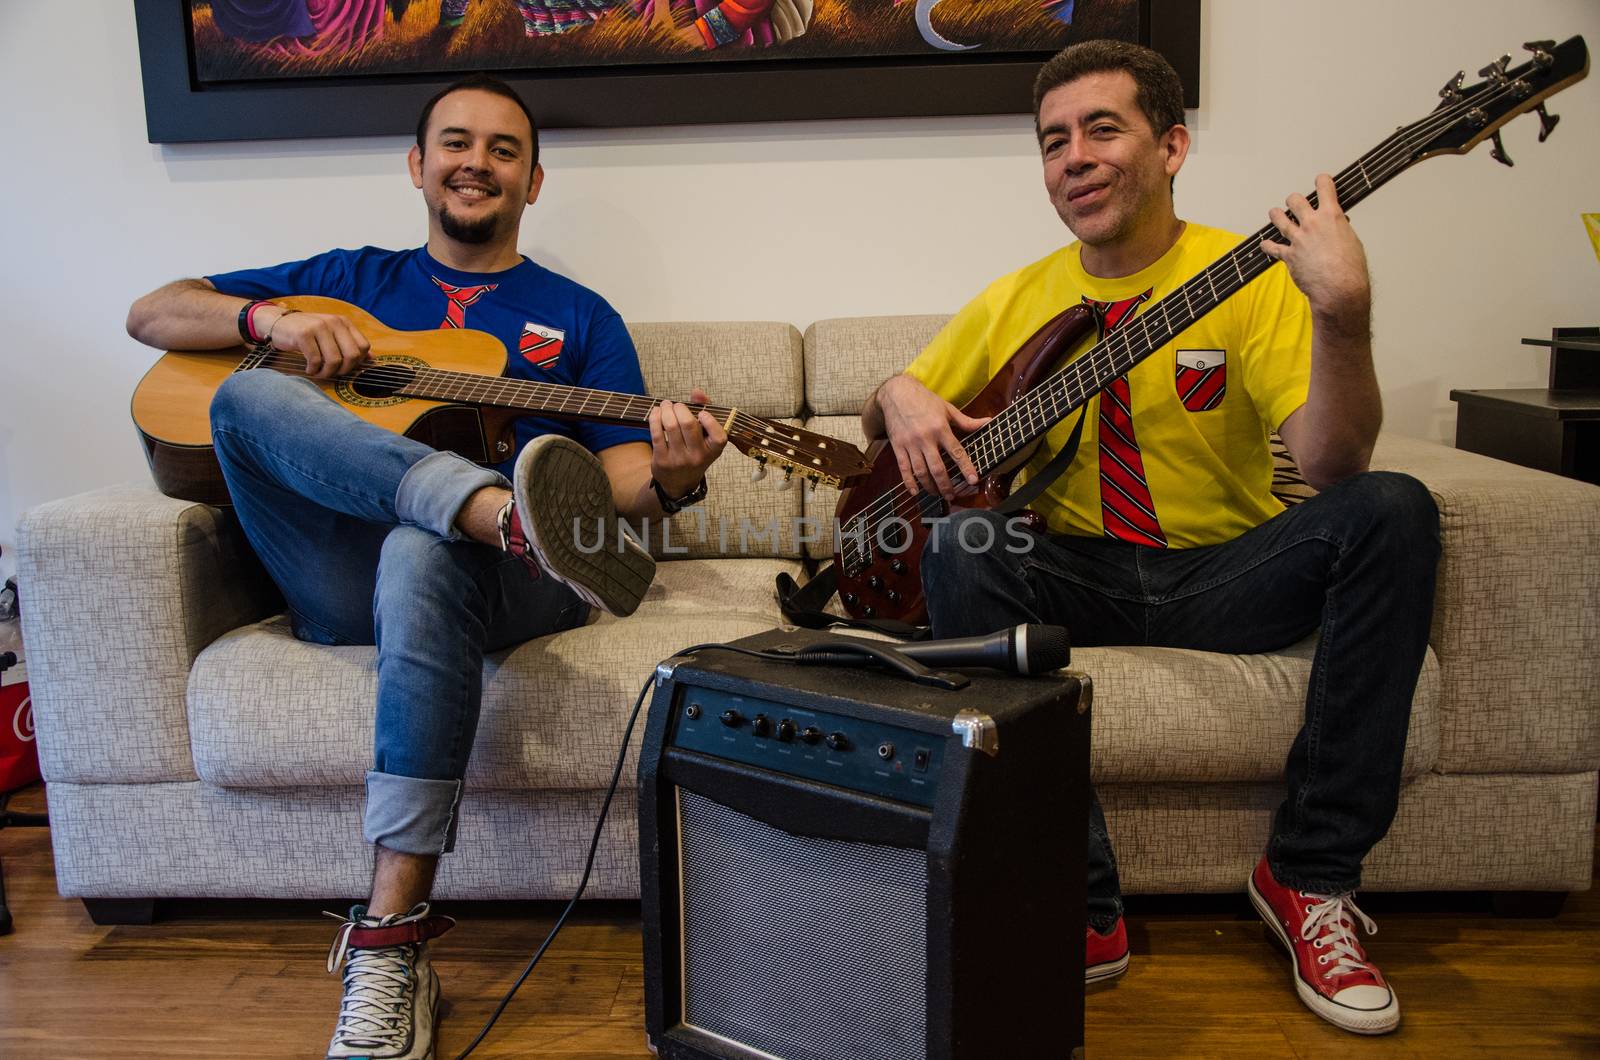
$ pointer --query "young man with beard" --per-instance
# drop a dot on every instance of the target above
(1164, 531)
(375, 538)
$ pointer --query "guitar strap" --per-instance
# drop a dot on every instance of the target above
(802, 605)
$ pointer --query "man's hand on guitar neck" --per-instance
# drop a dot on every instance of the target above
(918, 424)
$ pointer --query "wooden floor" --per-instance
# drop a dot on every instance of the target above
(246, 979)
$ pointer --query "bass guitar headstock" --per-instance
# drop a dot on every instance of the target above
(1470, 114)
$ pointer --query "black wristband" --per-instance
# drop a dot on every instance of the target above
(674, 505)
(244, 321)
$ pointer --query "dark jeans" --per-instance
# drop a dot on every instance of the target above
(1357, 561)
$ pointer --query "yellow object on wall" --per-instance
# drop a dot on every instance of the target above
(1591, 222)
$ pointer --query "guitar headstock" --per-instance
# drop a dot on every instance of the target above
(1473, 113)
(799, 454)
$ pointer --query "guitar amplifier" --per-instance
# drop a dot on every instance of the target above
(838, 864)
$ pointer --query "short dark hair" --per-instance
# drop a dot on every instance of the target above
(480, 83)
(1160, 93)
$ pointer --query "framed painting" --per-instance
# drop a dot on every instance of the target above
(270, 69)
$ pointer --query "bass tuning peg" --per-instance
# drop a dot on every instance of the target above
(1547, 122)
(1498, 151)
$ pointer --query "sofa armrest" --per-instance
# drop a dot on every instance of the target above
(1517, 617)
(122, 588)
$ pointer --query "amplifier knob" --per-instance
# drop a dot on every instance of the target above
(898, 566)
(837, 741)
(811, 734)
(760, 725)
(785, 730)
(732, 718)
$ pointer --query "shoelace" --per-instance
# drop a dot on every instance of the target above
(374, 1011)
(1327, 927)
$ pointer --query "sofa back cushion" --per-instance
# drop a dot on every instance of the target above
(754, 367)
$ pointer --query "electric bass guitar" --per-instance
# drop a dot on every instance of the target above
(881, 528)
(443, 388)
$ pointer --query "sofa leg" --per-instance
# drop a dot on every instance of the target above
(110, 911)
(1528, 905)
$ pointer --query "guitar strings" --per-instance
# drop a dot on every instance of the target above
(757, 428)
(1389, 157)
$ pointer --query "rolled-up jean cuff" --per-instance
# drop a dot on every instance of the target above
(433, 490)
(411, 815)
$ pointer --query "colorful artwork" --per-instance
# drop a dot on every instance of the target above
(286, 39)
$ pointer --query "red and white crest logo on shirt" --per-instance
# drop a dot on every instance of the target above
(541, 345)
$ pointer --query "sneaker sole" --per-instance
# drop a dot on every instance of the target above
(565, 482)
(1106, 971)
(1357, 1021)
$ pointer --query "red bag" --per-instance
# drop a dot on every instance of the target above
(19, 755)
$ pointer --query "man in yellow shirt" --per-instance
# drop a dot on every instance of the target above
(1164, 531)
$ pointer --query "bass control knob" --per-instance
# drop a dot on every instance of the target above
(898, 566)
(874, 582)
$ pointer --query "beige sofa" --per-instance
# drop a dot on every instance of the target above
(194, 748)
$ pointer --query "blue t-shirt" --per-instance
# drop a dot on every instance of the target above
(555, 330)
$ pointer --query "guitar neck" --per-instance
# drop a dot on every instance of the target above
(550, 399)
(1028, 418)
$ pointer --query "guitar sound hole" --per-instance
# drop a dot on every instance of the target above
(382, 380)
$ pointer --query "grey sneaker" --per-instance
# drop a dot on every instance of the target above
(391, 994)
(562, 521)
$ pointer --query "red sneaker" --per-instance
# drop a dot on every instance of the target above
(1331, 972)
(1105, 956)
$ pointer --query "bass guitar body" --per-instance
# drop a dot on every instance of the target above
(172, 403)
(881, 529)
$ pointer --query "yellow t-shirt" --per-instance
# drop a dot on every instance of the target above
(1203, 405)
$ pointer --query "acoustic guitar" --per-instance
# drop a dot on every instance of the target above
(443, 388)
(881, 528)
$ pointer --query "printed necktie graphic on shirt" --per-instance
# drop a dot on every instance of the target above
(457, 299)
(541, 344)
(1126, 509)
(1202, 378)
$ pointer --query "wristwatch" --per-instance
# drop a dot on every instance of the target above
(673, 506)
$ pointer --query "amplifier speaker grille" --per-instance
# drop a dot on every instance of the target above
(803, 948)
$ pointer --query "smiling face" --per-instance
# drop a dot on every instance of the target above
(475, 169)
(1107, 172)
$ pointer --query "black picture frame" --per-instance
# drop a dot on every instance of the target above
(181, 109)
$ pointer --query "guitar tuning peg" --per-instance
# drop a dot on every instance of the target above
(1547, 122)
(759, 472)
(1541, 51)
(1451, 92)
(1498, 151)
(1496, 71)
(788, 479)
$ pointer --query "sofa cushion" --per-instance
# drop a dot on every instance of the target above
(847, 357)
(267, 710)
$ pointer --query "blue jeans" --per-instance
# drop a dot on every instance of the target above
(356, 525)
(1357, 561)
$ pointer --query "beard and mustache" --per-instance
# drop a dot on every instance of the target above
(462, 230)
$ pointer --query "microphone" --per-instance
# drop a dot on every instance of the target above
(1024, 649)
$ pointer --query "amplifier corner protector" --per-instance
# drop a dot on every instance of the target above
(664, 670)
(977, 730)
(1086, 696)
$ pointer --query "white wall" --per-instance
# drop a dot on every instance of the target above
(837, 218)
